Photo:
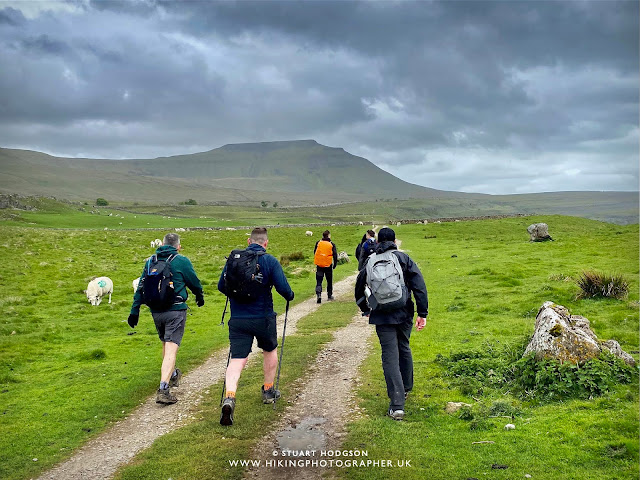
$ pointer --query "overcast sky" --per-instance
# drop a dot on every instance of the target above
(493, 97)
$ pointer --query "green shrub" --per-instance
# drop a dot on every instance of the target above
(595, 284)
(191, 201)
(102, 202)
(504, 369)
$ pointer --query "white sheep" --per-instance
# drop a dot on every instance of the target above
(156, 243)
(398, 224)
(180, 230)
(308, 233)
(97, 288)
(360, 223)
(230, 229)
(135, 283)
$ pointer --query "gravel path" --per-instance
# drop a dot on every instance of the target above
(315, 420)
(102, 456)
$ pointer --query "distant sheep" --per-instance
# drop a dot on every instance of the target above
(181, 230)
(398, 224)
(308, 233)
(230, 229)
(360, 223)
(156, 243)
(135, 284)
(97, 288)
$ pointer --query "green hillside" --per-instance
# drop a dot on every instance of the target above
(290, 174)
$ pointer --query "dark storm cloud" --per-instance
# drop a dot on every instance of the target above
(453, 95)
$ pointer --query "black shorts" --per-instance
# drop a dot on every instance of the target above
(243, 330)
(170, 325)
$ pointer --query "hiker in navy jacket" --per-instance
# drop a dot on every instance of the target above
(256, 319)
(394, 327)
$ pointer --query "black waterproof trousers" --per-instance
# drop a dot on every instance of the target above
(322, 272)
(397, 362)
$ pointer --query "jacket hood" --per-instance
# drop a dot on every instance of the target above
(384, 246)
(165, 250)
(257, 247)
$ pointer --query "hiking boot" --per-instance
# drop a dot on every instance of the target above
(175, 380)
(396, 414)
(165, 396)
(319, 299)
(228, 406)
(330, 298)
(270, 395)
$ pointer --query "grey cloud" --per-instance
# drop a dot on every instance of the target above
(396, 82)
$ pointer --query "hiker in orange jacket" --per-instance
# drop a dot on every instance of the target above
(324, 255)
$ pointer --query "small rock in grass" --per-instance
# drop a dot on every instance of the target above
(527, 476)
(453, 407)
(509, 426)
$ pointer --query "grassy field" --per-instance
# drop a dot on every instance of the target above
(76, 366)
(486, 283)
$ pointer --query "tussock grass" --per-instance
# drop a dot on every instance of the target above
(596, 284)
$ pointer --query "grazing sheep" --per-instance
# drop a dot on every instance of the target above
(398, 224)
(360, 223)
(157, 242)
(180, 230)
(135, 283)
(230, 229)
(308, 233)
(97, 288)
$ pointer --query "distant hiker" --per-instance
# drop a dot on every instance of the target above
(367, 248)
(392, 276)
(325, 257)
(247, 279)
(359, 247)
(163, 288)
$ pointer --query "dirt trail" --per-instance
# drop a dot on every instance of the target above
(102, 456)
(316, 418)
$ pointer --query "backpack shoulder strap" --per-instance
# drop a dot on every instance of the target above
(150, 260)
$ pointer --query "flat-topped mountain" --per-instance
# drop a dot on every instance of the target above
(291, 173)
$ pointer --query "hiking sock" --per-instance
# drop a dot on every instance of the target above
(231, 394)
(164, 385)
(267, 386)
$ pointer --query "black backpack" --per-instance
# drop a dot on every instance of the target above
(242, 276)
(157, 284)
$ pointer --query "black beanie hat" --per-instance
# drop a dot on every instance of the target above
(386, 235)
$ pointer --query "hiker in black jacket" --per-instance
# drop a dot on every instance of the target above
(394, 326)
(367, 247)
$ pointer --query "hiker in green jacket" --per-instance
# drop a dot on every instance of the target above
(169, 322)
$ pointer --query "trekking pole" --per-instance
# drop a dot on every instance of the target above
(284, 331)
(224, 312)
(224, 384)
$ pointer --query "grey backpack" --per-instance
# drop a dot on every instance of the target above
(386, 282)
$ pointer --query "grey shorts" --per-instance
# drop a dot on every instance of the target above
(170, 325)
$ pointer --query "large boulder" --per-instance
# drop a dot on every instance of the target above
(561, 336)
(539, 232)
(343, 257)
